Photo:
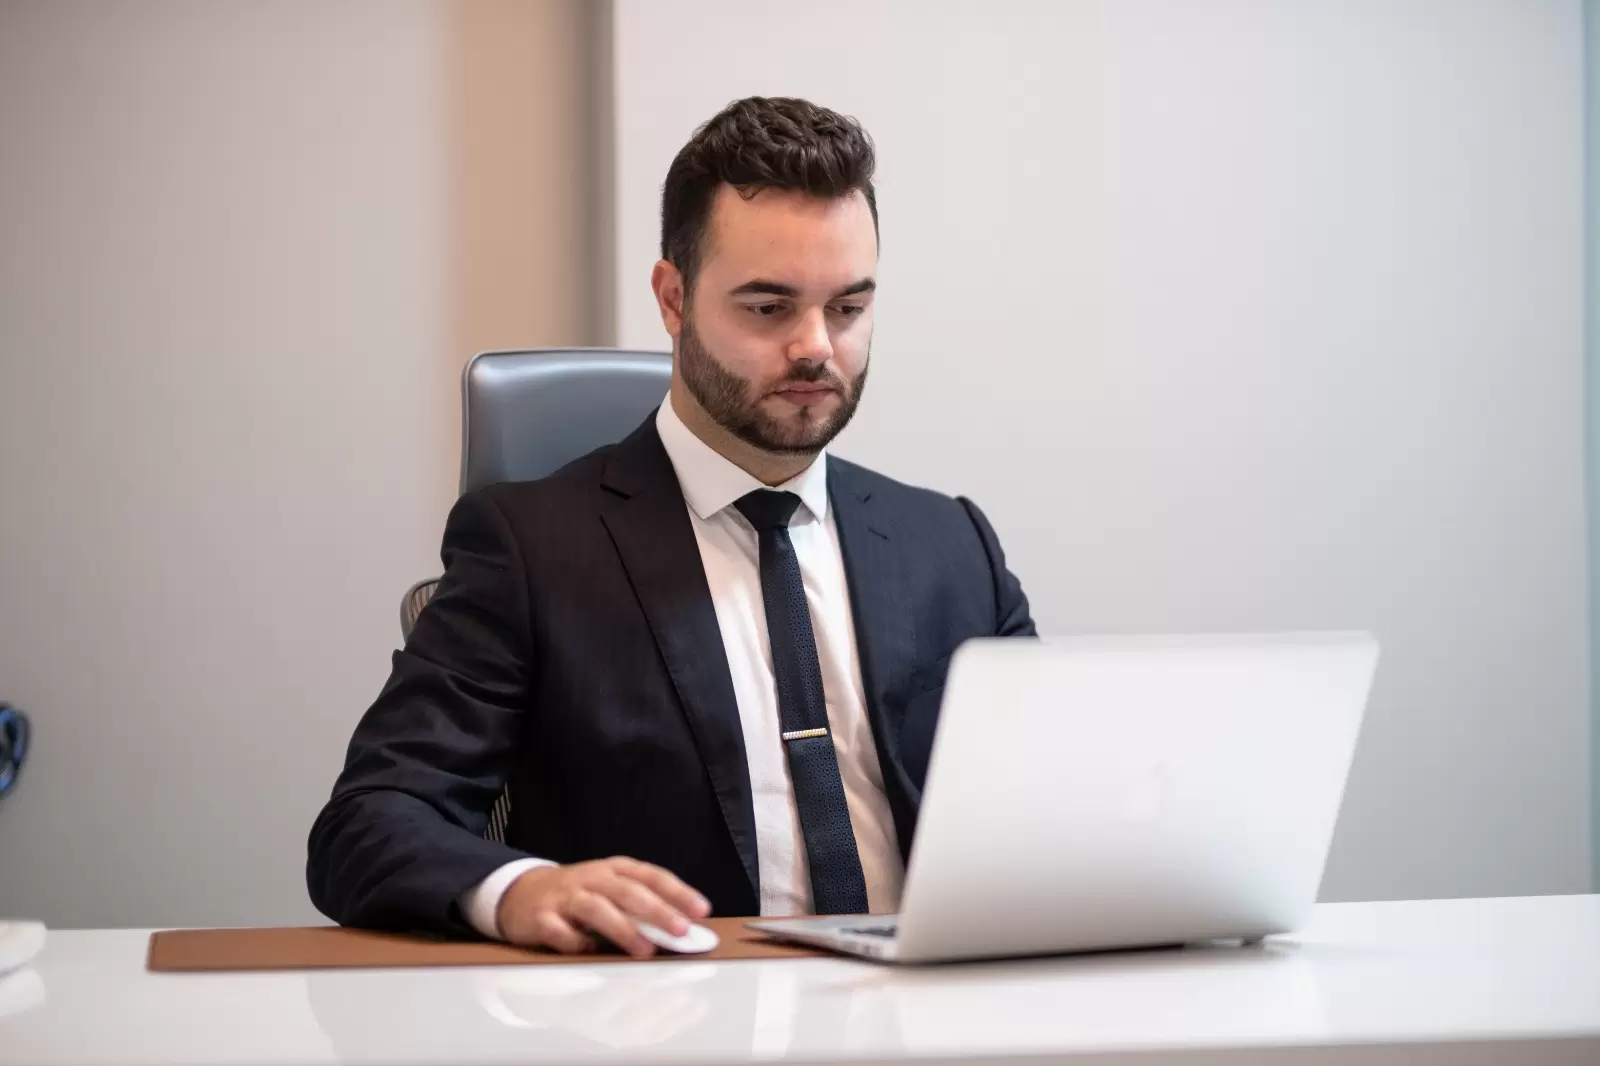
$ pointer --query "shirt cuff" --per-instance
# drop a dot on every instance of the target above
(481, 902)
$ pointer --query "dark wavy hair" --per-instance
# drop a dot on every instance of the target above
(779, 142)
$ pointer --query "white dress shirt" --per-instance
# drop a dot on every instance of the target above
(731, 557)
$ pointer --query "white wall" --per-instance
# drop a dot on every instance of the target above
(1232, 315)
(223, 454)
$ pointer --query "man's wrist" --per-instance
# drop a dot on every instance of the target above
(481, 903)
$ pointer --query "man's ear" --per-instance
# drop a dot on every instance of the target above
(667, 283)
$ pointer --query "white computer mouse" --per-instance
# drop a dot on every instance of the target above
(696, 941)
(19, 943)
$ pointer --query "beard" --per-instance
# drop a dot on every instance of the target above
(735, 403)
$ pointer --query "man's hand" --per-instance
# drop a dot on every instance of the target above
(561, 907)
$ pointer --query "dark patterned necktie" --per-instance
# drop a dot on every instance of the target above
(837, 885)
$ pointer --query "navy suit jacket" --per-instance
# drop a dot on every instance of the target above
(571, 655)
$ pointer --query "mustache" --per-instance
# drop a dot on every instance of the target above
(809, 374)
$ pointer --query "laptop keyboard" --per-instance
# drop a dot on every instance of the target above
(872, 930)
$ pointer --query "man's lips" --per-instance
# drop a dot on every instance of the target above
(805, 393)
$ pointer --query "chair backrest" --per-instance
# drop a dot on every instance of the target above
(525, 414)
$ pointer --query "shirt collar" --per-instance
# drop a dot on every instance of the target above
(710, 482)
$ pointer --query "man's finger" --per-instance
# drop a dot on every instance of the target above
(665, 883)
(596, 913)
(556, 932)
(637, 901)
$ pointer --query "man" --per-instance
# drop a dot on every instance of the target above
(706, 661)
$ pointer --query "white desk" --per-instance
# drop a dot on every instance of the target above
(1464, 981)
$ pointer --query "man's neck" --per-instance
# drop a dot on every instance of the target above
(764, 466)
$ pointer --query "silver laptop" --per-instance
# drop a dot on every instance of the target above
(1090, 794)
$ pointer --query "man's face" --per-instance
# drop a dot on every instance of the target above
(774, 339)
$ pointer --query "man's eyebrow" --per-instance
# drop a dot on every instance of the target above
(763, 287)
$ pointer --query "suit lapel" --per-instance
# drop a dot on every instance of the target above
(884, 623)
(644, 512)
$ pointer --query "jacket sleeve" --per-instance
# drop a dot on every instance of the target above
(401, 838)
(1011, 604)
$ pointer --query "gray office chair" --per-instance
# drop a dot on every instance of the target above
(525, 414)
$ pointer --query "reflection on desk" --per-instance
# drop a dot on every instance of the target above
(20, 990)
(740, 1010)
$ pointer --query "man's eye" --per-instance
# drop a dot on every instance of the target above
(766, 310)
(850, 310)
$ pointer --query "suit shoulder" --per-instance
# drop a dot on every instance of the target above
(901, 497)
(578, 478)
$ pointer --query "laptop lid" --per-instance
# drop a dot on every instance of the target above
(1110, 792)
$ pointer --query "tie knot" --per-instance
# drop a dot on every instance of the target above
(766, 509)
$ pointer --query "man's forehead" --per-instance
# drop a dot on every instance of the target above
(813, 239)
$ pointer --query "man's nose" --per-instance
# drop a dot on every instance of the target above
(811, 342)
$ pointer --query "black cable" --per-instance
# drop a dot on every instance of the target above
(13, 746)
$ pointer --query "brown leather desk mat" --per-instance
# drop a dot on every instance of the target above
(329, 947)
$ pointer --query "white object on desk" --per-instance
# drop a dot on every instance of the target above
(19, 943)
(1474, 982)
(696, 941)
